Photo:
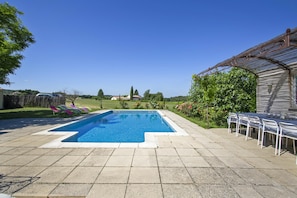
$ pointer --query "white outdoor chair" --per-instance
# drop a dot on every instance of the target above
(270, 126)
(232, 118)
(254, 122)
(243, 120)
(288, 131)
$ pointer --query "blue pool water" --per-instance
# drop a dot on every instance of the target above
(117, 126)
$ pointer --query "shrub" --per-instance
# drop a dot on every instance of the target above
(138, 105)
(124, 104)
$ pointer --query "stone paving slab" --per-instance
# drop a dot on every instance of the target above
(175, 176)
(144, 190)
(146, 161)
(107, 191)
(114, 175)
(181, 190)
(86, 175)
(144, 175)
(71, 190)
(206, 163)
(36, 190)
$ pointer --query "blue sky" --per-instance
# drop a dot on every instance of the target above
(87, 45)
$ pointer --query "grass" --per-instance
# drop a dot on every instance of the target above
(27, 112)
(93, 105)
(197, 121)
(113, 104)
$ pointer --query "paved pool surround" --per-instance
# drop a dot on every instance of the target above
(203, 163)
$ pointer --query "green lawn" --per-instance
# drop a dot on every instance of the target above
(27, 112)
(114, 104)
(93, 105)
(197, 121)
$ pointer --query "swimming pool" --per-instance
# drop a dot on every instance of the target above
(116, 126)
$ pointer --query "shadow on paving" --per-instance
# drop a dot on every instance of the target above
(24, 122)
(10, 184)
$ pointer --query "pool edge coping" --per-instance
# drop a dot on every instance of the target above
(151, 140)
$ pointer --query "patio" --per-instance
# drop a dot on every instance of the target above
(207, 163)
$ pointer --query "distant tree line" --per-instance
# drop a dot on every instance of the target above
(177, 99)
(100, 95)
(150, 96)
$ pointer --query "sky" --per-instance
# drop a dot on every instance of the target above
(158, 45)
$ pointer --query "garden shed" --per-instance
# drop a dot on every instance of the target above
(275, 64)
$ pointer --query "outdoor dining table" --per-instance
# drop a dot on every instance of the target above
(272, 117)
(281, 120)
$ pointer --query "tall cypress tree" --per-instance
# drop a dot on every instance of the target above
(131, 93)
(100, 96)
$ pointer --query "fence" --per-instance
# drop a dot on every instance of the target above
(11, 102)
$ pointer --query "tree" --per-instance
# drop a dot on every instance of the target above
(131, 93)
(146, 95)
(208, 88)
(100, 96)
(224, 92)
(14, 38)
(159, 96)
(28, 92)
(136, 92)
(236, 91)
(72, 97)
